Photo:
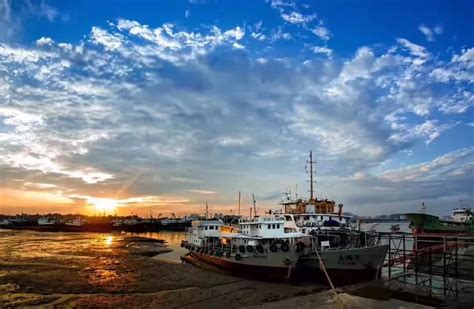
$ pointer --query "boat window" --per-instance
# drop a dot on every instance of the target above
(205, 228)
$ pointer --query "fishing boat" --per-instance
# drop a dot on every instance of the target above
(306, 237)
(344, 256)
(262, 248)
(76, 222)
(47, 221)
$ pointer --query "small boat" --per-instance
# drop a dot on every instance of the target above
(6, 222)
(395, 228)
(78, 222)
(47, 221)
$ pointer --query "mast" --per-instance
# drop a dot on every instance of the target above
(239, 203)
(254, 205)
(207, 210)
(311, 181)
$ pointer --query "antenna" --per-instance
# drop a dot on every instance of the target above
(254, 205)
(207, 210)
(239, 202)
(423, 208)
(311, 181)
(250, 213)
(296, 191)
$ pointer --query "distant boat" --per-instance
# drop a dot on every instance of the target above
(461, 222)
(395, 228)
(6, 222)
(47, 221)
(75, 222)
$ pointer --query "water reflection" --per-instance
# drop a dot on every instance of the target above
(108, 240)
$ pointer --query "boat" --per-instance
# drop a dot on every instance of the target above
(77, 222)
(267, 250)
(345, 256)
(6, 222)
(262, 249)
(431, 231)
(47, 221)
(306, 237)
(461, 222)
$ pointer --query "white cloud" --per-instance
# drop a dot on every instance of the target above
(416, 50)
(206, 192)
(297, 18)
(432, 169)
(44, 41)
(108, 40)
(322, 32)
(430, 33)
(322, 50)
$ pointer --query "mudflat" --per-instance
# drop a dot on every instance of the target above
(115, 270)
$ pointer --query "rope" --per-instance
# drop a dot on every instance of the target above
(321, 264)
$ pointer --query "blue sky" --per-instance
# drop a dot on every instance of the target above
(165, 104)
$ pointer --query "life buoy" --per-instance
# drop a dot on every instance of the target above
(284, 247)
(238, 257)
(259, 248)
(242, 249)
(287, 261)
(227, 254)
(300, 246)
(182, 244)
(250, 248)
(273, 248)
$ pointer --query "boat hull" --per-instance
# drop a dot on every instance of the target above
(346, 266)
(242, 269)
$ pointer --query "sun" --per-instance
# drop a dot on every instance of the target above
(103, 204)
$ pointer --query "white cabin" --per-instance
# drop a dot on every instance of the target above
(461, 214)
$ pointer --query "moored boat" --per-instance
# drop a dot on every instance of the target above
(262, 249)
(430, 230)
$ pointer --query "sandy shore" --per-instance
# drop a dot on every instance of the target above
(101, 270)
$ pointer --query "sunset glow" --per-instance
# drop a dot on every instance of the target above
(103, 204)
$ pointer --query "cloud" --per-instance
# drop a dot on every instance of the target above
(206, 192)
(191, 109)
(430, 33)
(13, 15)
(322, 50)
(450, 163)
(322, 32)
(297, 18)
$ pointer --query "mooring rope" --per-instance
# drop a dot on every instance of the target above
(329, 280)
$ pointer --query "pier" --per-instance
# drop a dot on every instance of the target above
(436, 266)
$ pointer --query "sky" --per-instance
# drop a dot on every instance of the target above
(155, 107)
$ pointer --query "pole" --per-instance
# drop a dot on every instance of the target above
(239, 203)
(254, 205)
(207, 210)
(311, 181)
(250, 213)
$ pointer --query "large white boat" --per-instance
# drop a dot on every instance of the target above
(267, 249)
(262, 248)
(306, 236)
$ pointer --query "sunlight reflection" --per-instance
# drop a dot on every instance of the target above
(108, 240)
